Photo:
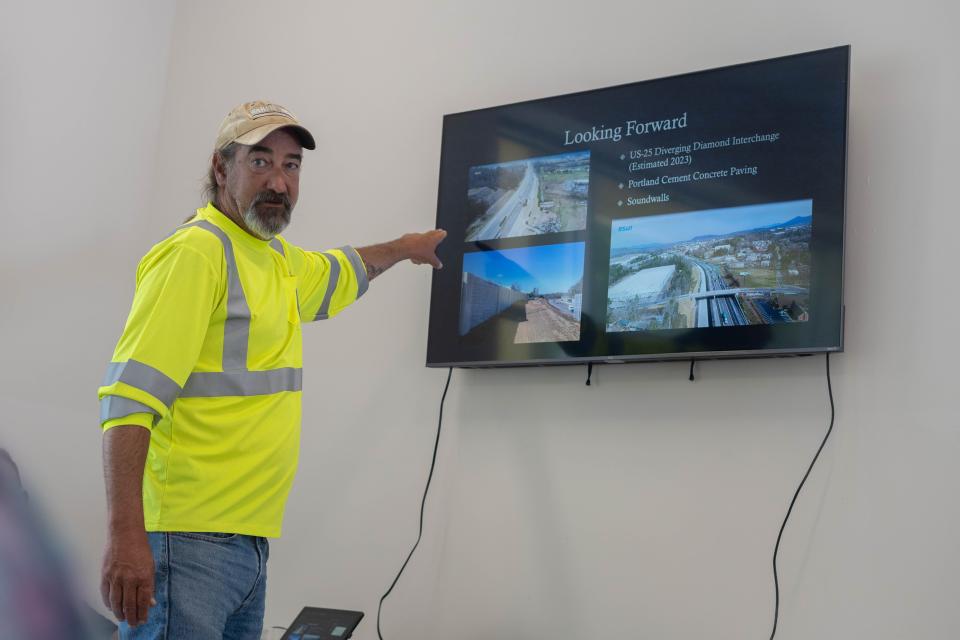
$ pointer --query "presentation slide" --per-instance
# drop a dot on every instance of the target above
(701, 213)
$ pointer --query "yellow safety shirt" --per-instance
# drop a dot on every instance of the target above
(210, 360)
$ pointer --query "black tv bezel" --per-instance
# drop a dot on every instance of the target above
(667, 356)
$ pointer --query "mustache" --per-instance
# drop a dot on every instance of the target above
(272, 197)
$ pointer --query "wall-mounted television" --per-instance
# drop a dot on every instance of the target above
(694, 216)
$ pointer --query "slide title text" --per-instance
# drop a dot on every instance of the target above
(629, 128)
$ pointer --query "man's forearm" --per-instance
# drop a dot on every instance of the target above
(127, 577)
(124, 456)
(419, 248)
(380, 257)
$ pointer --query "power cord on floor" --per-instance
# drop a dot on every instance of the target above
(776, 548)
(423, 503)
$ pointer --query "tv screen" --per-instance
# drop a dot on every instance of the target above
(695, 216)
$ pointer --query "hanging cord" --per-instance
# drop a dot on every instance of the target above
(776, 549)
(691, 378)
(423, 503)
(589, 372)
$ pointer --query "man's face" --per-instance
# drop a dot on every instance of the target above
(263, 182)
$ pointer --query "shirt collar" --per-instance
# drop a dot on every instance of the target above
(231, 228)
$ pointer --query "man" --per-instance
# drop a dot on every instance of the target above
(201, 403)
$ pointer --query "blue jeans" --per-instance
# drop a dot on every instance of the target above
(209, 586)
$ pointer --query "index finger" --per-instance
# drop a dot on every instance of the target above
(439, 235)
(105, 592)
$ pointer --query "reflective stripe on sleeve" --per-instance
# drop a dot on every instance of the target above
(363, 283)
(208, 384)
(324, 312)
(112, 407)
(143, 377)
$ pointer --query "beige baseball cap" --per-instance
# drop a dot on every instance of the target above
(251, 122)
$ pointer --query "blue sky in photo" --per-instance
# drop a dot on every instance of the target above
(552, 268)
(679, 227)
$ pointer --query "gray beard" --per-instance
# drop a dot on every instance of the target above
(262, 226)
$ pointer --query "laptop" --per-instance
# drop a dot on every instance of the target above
(314, 623)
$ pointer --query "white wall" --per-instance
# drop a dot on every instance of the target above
(641, 507)
(82, 87)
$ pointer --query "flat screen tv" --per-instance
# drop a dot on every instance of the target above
(695, 216)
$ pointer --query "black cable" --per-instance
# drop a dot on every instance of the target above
(423, 503)
(776, 549)
(589, 372)
(691, 378)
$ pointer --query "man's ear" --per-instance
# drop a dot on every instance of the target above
(219, 168)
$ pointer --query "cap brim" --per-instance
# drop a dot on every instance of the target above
(258, 134)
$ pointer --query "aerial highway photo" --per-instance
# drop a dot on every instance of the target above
(714, 268)
(529, 294)
(528, 197)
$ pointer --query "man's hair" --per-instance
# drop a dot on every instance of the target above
(210, 187)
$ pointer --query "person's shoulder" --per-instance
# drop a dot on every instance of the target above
(195, 236)
(187, 244)
(190, 237)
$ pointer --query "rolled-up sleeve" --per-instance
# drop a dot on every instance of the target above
(176, 294)
(139, 419)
